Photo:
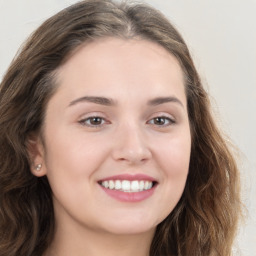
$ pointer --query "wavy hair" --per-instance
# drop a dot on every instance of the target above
(204, 221)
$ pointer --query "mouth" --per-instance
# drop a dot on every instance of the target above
(128, 186)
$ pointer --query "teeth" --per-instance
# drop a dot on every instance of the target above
(118, 184)
(141, 185)
(127, 186)
(134, 185)
(111, 184)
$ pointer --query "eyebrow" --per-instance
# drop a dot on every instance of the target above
(93, 99)
(110, 102)
(162, 100)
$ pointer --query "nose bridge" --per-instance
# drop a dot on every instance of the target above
(131, 144)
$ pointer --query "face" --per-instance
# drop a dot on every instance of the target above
(117, 141)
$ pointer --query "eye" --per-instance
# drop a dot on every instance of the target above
(161, 121)
(93, 121)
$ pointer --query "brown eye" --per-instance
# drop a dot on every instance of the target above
(93, 121)
(161, 121)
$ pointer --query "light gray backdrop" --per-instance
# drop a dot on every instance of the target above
(221, 35)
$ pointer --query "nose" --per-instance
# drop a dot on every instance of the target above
(131, 146)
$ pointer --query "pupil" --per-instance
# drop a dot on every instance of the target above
(96, 120)
(159, 120)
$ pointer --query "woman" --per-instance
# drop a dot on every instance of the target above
(108, 145)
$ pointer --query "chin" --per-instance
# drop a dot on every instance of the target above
(130, 227)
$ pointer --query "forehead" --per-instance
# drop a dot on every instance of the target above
(111, 63)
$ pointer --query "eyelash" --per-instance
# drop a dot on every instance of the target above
(162, 119)
(101, 121)
(90, 119)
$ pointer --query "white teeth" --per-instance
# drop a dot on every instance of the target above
(118, 184)
(105, 184)
(127, 186)
(141, 185)
(135, 185)
(111, 184)
(148, 185)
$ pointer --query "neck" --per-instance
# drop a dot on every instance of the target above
(80, 241)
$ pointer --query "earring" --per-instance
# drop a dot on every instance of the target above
(38, 167)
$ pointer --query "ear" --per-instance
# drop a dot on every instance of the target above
(36, 154)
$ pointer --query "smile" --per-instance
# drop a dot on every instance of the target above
(130, 188)
(127, 185)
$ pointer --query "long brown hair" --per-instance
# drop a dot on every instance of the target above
(204, 221)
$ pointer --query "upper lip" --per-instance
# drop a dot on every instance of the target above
(130, 177)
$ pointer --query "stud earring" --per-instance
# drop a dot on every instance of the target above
(38, 167)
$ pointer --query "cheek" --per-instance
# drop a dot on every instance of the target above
(71, 162)
(73, 152)
(175, 155)
(174, 162)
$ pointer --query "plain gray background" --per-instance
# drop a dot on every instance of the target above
(221, 35)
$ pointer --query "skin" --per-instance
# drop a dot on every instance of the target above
(128, 139)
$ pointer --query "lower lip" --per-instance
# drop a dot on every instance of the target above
(129, 196)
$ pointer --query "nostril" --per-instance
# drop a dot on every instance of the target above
(132, 155)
